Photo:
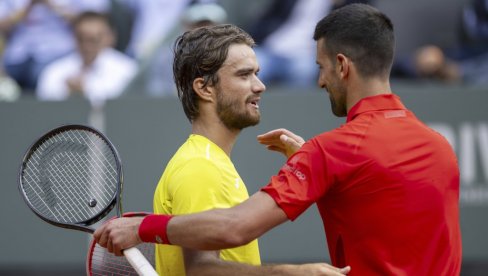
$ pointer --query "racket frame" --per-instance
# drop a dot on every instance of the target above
(115, 200)
(93, 243)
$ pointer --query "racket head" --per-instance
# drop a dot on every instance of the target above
(71, 177)
(101, 262)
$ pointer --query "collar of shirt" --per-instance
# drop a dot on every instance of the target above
(375, 103)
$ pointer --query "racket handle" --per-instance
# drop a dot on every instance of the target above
(139, 262)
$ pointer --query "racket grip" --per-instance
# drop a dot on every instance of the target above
(139, 262)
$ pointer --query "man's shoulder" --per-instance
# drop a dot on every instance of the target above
(335, 133)
(342, 137)
(185, 159)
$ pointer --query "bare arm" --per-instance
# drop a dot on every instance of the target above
(210, 230)
(226, 228)
(281, 140)
(204, 263)
(249, 220)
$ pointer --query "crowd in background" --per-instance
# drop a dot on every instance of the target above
(101, 49)
(466, 61)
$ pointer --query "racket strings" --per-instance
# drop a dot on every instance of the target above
(71, 176)
(96, 169)
(105, 263)
(47, 193)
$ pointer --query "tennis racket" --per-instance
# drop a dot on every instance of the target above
(101, 262)
(71, 177)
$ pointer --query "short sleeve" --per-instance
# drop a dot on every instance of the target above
(197, 187)
(300, 182)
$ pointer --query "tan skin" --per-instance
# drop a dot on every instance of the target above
(238, 81)
(226, 228)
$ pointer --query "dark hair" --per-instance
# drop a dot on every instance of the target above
(200, 53)
(90, 15)
(363, 34)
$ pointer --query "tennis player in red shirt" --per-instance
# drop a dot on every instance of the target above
(386, 185)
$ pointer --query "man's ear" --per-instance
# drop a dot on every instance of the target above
(343, 65)
(205, 93)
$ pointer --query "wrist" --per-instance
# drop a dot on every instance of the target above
(153, 229)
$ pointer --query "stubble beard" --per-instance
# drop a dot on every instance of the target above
(230, 116)
(338, 105)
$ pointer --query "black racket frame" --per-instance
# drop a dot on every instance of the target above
(116, 200)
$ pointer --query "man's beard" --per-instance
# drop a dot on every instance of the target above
(338, 105)
(228, 112)
(337, 110)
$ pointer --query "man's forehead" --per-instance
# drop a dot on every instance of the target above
(239, 55)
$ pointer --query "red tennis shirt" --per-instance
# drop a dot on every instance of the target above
(387, 189)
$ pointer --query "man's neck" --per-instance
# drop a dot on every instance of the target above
(368, 88)
(217, 132)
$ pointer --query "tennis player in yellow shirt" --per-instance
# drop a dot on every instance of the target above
(215, 70)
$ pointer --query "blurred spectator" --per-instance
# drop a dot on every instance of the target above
(153, 20)
(474, 30)
(283, 33)
(9, 89)
(285, 48)
(96, 71)
(203, 14)
(473, 58)
(155, 76)
(38, 32)
(468, 62)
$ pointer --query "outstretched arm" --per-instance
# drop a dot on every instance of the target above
(210, 230)
(226, 228)
(203, 263)
(281, 140)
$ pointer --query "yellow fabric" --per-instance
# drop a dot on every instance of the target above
(199, 177)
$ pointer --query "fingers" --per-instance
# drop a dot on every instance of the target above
(105, 236)
(269, 133)
(117, 250)
(323, 269)
(293, 136)
(110, 246)
(332, 270)
(281, 140)
(277, 149)
(345, 270)
(100, 236)
(273, 136)
(291, 142)
(118, 234)
(270, 137)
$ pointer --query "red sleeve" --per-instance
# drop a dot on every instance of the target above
(300, 182)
